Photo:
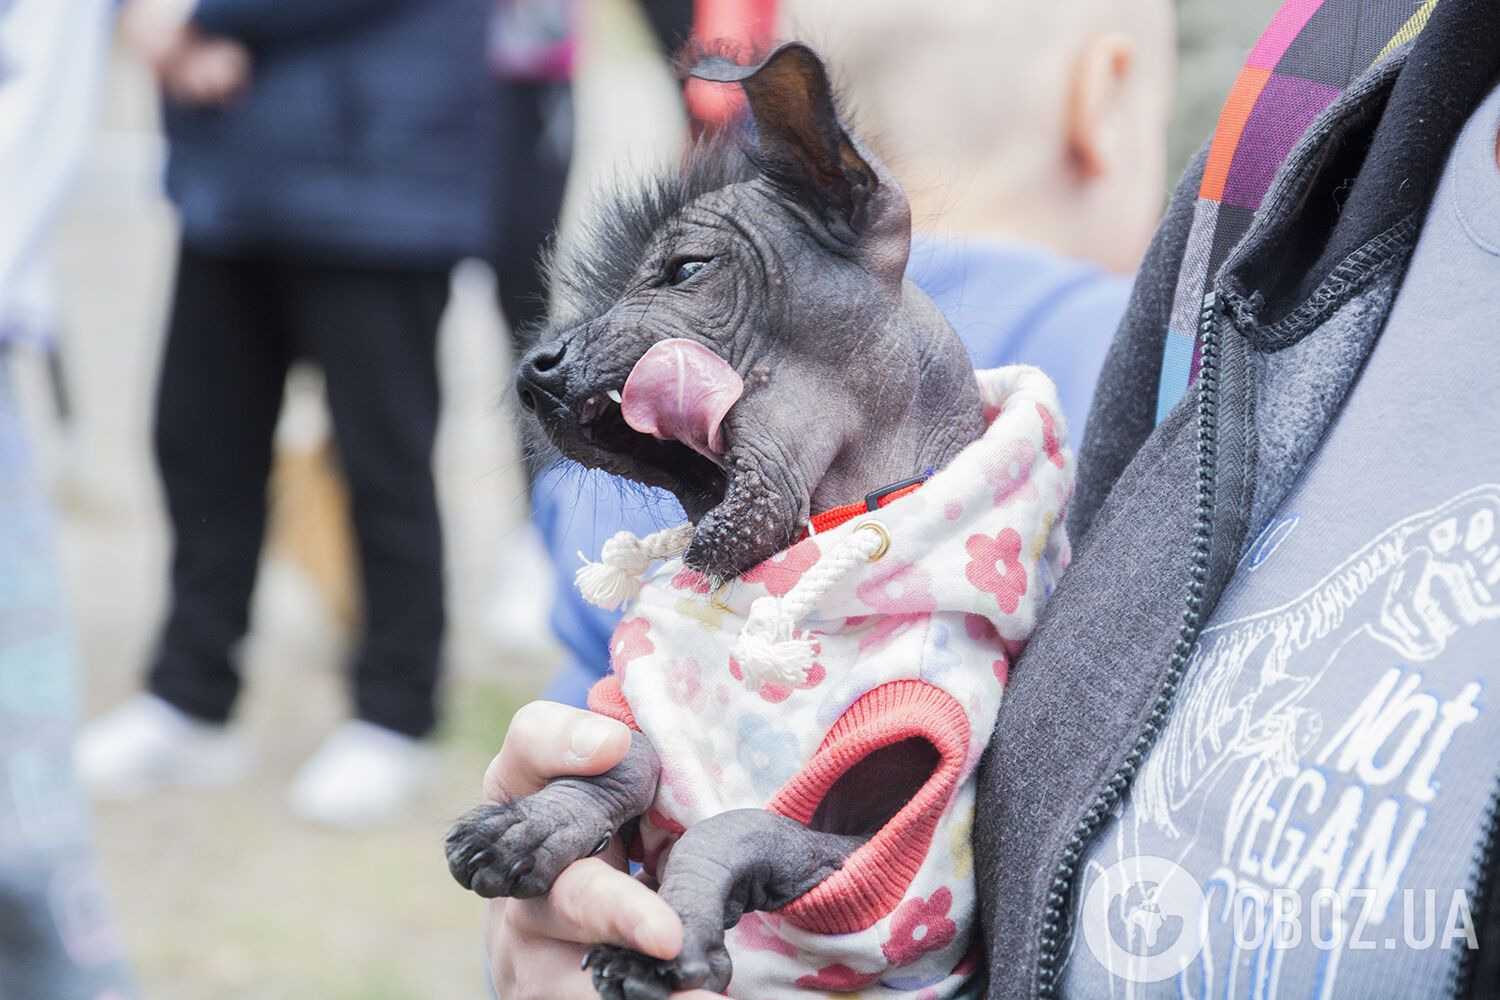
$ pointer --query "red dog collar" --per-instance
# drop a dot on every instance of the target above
(830, 519)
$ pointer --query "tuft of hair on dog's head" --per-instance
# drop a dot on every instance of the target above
(621, 220)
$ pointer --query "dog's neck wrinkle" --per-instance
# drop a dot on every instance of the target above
(942, 417)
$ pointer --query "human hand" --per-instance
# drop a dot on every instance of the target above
(207, 71)
(536, 946)
(192, 68)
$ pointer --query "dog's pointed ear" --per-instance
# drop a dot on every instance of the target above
(801, 143)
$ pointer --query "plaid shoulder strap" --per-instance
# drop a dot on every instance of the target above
(1310, 52)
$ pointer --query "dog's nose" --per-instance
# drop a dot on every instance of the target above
(540, 377)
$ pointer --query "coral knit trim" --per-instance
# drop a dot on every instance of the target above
(874, 879)
(607, 698)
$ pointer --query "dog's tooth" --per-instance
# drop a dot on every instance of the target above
(614, 394)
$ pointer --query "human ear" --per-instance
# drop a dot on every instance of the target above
(1097, 118)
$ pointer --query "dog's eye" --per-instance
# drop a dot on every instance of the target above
(685, 270)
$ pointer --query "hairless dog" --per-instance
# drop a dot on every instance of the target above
(742, 334)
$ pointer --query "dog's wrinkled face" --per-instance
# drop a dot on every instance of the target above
(749, 342)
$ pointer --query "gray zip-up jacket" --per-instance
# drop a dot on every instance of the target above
(1163, 513)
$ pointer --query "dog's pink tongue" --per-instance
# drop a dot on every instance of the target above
(680, 390)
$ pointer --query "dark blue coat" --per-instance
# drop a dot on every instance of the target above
(367, 135)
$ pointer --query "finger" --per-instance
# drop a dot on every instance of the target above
(229, 62)
(194, 79)
(215, 77)
(237, 68)
(547, 740)
(527, 968)
(593, 903)
(163, 46)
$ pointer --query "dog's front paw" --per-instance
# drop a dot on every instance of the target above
(517, 849)
(622, 974)
(703, 963)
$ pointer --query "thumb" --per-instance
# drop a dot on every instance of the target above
(548, 740)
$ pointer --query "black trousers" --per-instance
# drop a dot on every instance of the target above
(531, 175)
(236, 326)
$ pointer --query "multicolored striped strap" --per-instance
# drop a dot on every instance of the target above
(1310, 52)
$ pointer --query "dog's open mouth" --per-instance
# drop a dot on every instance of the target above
(667, 420)
(697, 480)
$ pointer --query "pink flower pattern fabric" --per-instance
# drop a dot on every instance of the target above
(973, 555)
(685, 684)
(921, 926)
(995, 567)
(1012, 475)
(780, 573)
(630, 642)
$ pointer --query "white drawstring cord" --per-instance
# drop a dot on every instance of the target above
(615, 580)
(767, 650)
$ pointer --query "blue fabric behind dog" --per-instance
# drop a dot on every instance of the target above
(1010, 303)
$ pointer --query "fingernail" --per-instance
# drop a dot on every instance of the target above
(589, 738)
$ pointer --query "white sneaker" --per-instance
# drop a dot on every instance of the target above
(363, 776)
(145, 744)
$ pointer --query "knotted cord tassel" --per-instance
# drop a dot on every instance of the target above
(768, 649)
(615, 580)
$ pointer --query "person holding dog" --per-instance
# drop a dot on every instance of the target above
(1263, 669)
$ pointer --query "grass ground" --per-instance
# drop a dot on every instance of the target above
(224, 895)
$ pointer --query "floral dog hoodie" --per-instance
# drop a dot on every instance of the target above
(909, 636)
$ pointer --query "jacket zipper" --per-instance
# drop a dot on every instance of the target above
(1054, 916)
(1481, 885)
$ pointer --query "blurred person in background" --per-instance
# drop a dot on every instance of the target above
(1034, 163)
(532, 52)
(329, 162)
(56, 939)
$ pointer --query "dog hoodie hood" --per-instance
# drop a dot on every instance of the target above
(908, 629)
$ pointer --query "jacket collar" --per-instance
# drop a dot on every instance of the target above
(1348, 202)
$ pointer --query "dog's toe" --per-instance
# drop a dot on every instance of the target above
(516, 849)
(701, 965)
(622, 974)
